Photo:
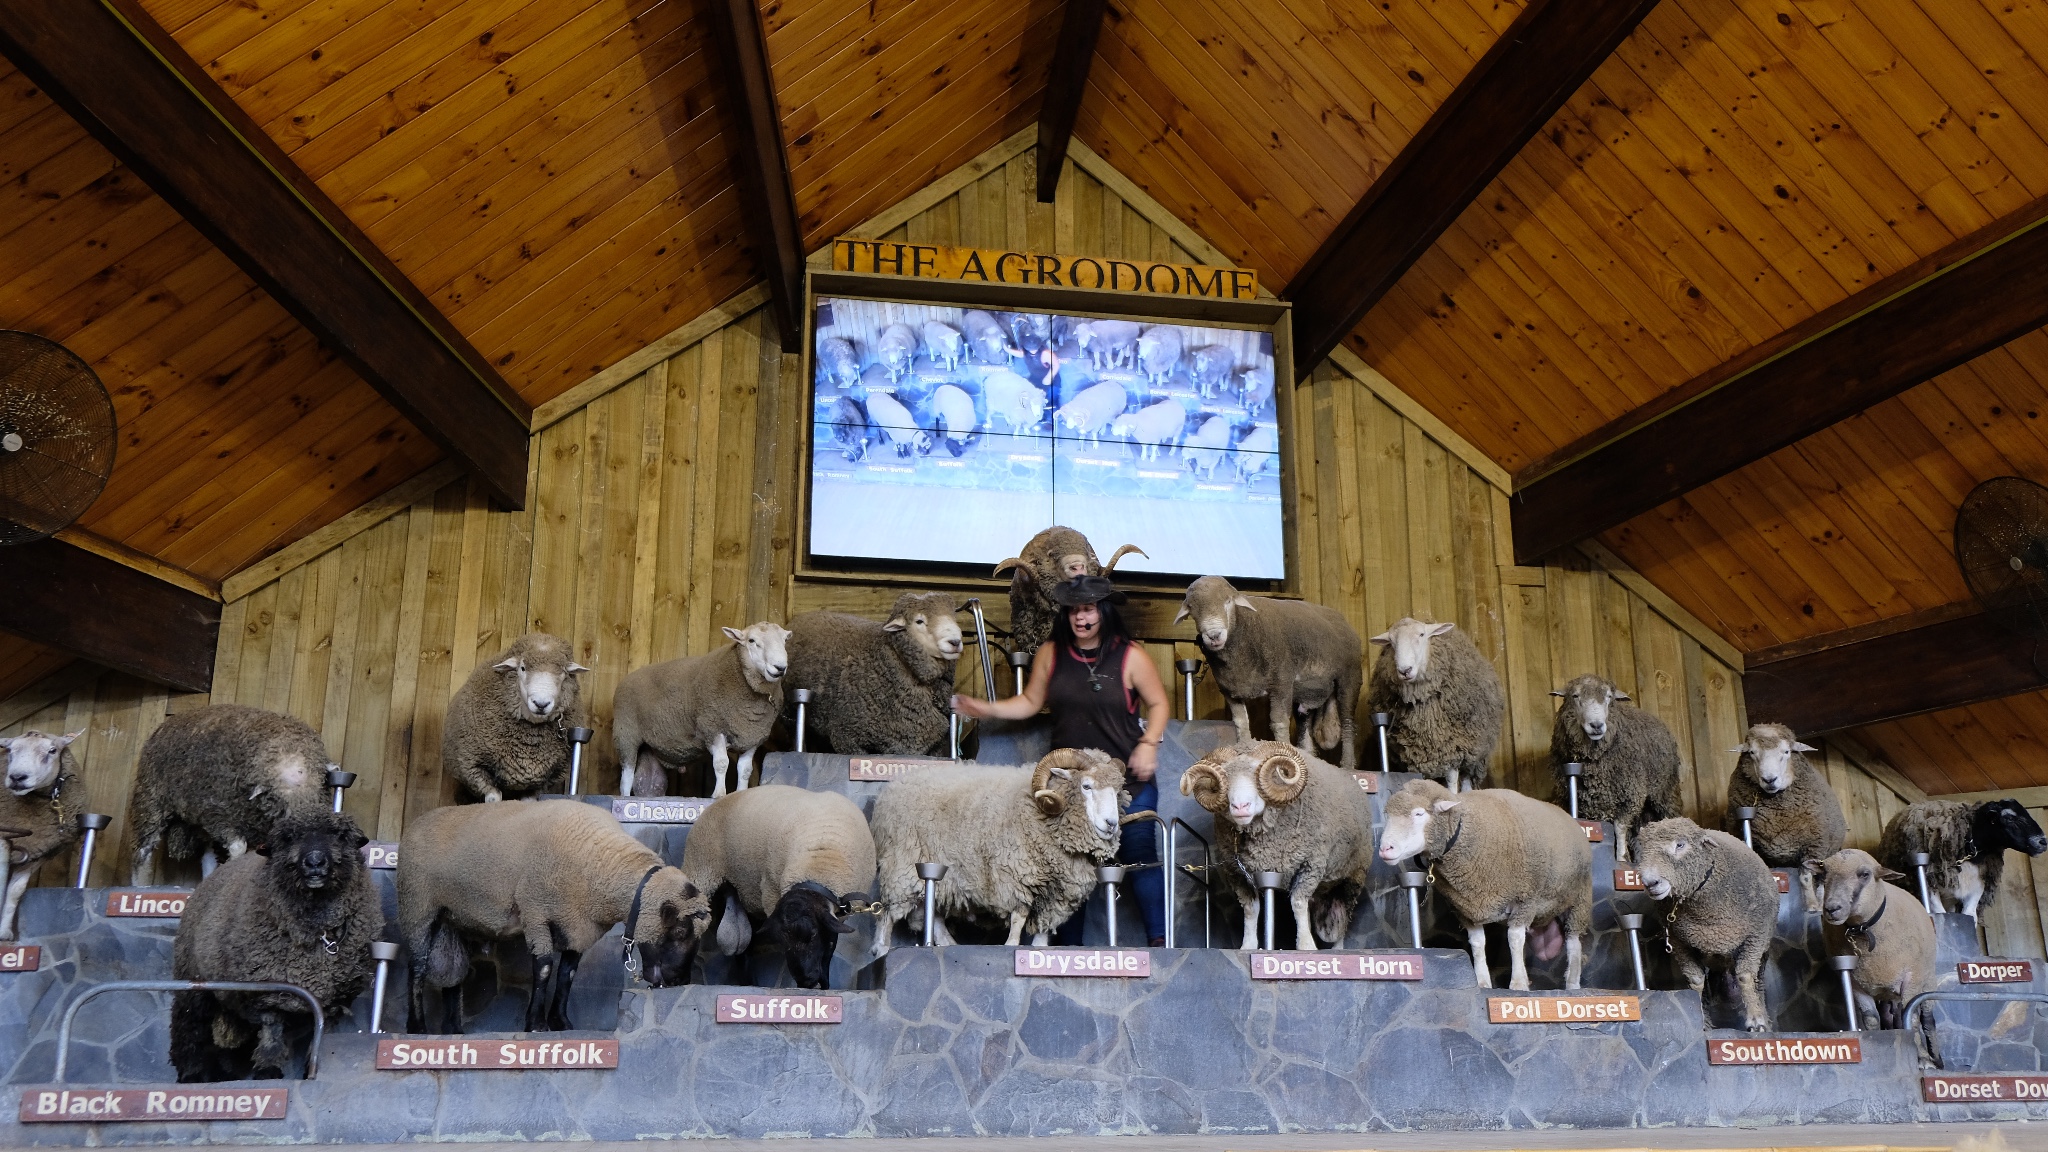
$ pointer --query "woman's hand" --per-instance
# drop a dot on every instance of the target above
(1144, 761)
(973, 706)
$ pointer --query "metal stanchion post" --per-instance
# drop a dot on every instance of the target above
(1380, 720)
(988, 670)
(931, 874)
(1413, 882)
(383, 952)
(1020, 662)
(1920, 860)
(953, 733)
(579, 738)
(1846, 965)
(1267, 882)
(1746, 814)
(1633, 921)
(340, 782)
(1572, 772)
(1188, 667)
(802, 696)
(1109, 876)
(90, 823)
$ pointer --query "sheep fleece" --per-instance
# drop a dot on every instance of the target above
(199, 769)
(1448, 720)
(1804, 822)
(878, 692)
(50, 815)
(239, 925)
(769, 839)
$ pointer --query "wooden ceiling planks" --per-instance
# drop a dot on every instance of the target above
(1978, 748)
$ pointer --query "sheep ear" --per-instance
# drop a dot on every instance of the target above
(1620, 695)
(895, 624)
(358, 838)
(65, 740)
(507, 665)
(1182, 614)
(1739, 749)
(1062, 773)
(1803, 746)
(1893, 874)
(1444, 805)
(734, 635)
(575, 668)
(1555, 692)
(1440, 629)
(1383, 639)
(1814, 868)
(1243, 603)
(6, 742)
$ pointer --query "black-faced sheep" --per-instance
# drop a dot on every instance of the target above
(555, 873)
(1298, 656)
(1444, 697)
(1725, 905)
(298, 910)
(1050, 558)
(879, 687)
(793, 860)
(508, 725)
(1967, 843)
(1021, 845)
(725, 699)
(38, 811)
(1280, 811)
(1885, 926)
(1797, 816)
(1498, 856)
(1630, 758)
(216, 778)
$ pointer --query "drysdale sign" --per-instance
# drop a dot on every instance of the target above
(1000, 266)
(155, 1105)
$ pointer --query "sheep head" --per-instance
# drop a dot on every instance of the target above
(1852, 885)
(763, 651)
(312, 850)
(1407, 647)
(1059, 554)
(1082, 778)
(1767, 753)
(1591, 699)
(1241, 781)
(1212, 603)
(35, 759)
(806, 922)
(545, 676)
(673, 917)
(1409, 812)
(927, 619)
(1673, 856)
(2006, 823)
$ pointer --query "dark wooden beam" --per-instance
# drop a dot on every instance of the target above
(1978, 293)
(130, 84)
(1072, 54)
(1946, 663)
(760, 164)
(1528, 74)
(109, 613)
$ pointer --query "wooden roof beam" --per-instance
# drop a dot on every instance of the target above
(137, 91)
(1971, 297)
(107, 612)
(760, 163)
(1065, 83)
(1543, 57)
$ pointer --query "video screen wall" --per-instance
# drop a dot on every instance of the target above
(951, 435)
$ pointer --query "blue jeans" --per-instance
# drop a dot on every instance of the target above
(1140, 845)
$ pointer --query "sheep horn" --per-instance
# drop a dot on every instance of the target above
(1006, 565)
(1204, 781)
(1120, 554)
(1281, 777)
(1051, 801)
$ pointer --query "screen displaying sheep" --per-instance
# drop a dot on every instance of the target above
(948, 434)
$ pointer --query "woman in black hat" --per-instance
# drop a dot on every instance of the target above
(1094, 680)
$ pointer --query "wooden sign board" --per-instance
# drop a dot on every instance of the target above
(1562, 1009)
(151, 1105)
(1131, 962)
(1784, 880)
(1981, 1089)
(1799, 1050)
(1967, 971)
(1370, 781)
(20, 957)
(1628, 880)
(1334, 966)
(381, 855)
(658, 809)
(1003, 266)
(449, 1053)
(887, 767)
(142, 902)
(758, 1008)
(1594, 833)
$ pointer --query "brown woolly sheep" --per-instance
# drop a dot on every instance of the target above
(1300, 657)
(1725, 905)
(1797, 816)
(508, 725)
(1891, 935)
(1054, 556)
(1445, 699)
(38, 811)
(881, 687)
(1630, 758)
(217, 778)
(727, 698)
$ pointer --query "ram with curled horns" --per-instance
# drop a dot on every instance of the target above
(1278, 810)
(1050, 558)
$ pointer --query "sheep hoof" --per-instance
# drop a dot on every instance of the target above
(1518, 985)
(6, 934)
(1758, 1029)
(493, 796)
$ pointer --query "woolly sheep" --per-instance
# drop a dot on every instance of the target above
(1159, 350)
(727, 698)
(1211, 368)
(987, 341)
(942, 344)
(1279, 811)
(953, 421)
(508, 725)
(557, 873)
(1725, 905)
(1258, 387)
(837, 363)
(880, 687)
(896, 428)
(795, 861)
(1797, 816)
(1090, 412)
(1152, 428)
(1204, 450)
(1017, 400)
(1444, 697)
(38, 811)
(216, 779)
(895, 349)
(1297, 655)
(1630, 758)
(1967, 843)
(1053, 556)
(1886, 928)
(300, 910)
(1498, 855)
(1108, 343)
(849, 429)
(1021, 845)
(1255, 453)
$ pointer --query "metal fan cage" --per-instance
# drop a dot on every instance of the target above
(56, 437)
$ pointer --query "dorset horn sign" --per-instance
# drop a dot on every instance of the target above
(1001, 266)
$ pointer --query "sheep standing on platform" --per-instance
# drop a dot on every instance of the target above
(1052, 557)
(1498, 856)
(38, 812)
(508, 725)
(1021, 845)
(1725, 905)
(1630, 758)
(722, 700)
(1284, 812)
(1445, 700)
(1885, 926)
(880, 687)
(794, 860)
(216, 778)
(1797, 816)
(1967, 845)
(1299, 657)
(300, 910)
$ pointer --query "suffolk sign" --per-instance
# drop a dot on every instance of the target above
(443, 1053)
(1001, 266)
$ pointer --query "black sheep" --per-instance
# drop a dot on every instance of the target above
(1967, 842)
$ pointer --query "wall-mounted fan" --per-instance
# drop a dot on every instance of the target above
(2002, 546)
(56, 437)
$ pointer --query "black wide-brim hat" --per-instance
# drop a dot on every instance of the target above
(1086, 590)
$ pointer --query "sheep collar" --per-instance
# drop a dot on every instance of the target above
(1671, 917)
(633, 920)
(1854, 930)
(1448, 845)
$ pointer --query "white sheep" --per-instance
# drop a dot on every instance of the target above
(1254, 453)
(1445, 699)
(727, 698)
(1108, 343)
(1152, 428)
(953, 418)
(888, 415)
(942, 343)
(1159, 349)
(1204, 450)
(1090, 412)
(38, 811)
(1014, 398)
(895, 349)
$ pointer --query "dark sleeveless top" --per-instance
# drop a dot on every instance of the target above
(1082, 716)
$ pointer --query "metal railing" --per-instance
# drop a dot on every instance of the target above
(1169, 864)
(71, 1013)
(988, 670)
(1909, 1018)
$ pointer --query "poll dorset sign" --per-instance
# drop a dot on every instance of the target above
(670, 810)
(1131, 962)
(1795, 1050)
(1004, 266)
(152, 1105)
(144, 903)
(767, 1008)
(1981, 1089)
(1991, 971)
(872, 768)
(438, 1053)
(1334, 966)
(1562, 1009)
